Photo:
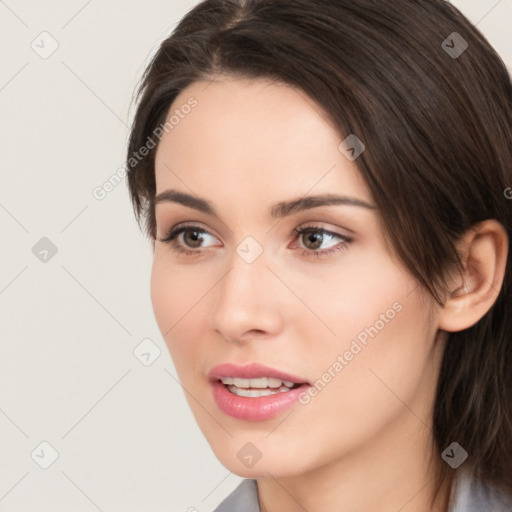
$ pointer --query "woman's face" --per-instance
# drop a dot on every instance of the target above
(329, 306)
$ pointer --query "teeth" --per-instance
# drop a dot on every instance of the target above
(259, 383)
(253, 393)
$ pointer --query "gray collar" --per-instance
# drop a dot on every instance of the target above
(467, 495)
(243, 499)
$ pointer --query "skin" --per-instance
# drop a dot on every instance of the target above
(363, 443)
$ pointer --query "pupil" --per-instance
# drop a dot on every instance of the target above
(196, 239)
(315, 237)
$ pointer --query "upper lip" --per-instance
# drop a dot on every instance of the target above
(250, 371)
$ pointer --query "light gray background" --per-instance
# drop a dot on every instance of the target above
(125, 437)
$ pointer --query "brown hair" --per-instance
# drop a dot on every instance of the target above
(438, 159)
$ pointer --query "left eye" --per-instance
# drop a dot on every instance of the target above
(316, 237)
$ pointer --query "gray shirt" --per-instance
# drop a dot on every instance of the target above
(467, 495)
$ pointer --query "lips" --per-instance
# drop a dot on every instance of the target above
(234, 395)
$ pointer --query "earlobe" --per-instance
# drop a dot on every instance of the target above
(483, 250)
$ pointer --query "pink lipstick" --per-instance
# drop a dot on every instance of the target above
(254, 392)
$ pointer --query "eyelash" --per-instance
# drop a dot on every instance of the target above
(298, 231)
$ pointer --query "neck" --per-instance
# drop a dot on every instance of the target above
(390, 475)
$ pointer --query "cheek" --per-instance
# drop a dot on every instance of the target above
(384, 365)
(347, 297)
(174, 297)
(163, 296)
(175, 291)
(381, 332)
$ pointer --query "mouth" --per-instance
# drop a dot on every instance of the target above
(254, 392)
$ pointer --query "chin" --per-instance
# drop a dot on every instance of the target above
(275, 464)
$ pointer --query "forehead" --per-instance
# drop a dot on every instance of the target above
(252, 138)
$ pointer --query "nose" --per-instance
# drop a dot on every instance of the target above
(247, 302)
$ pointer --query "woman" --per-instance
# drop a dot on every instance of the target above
(326, 184)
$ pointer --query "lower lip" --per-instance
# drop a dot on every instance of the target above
(257, 408)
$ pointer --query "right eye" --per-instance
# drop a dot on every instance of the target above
(184, 238)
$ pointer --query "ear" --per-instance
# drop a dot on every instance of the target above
(483, 250)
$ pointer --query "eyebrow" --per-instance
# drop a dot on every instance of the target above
(278, 210)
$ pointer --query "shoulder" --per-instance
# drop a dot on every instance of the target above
(243, 499)
(471, 495)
